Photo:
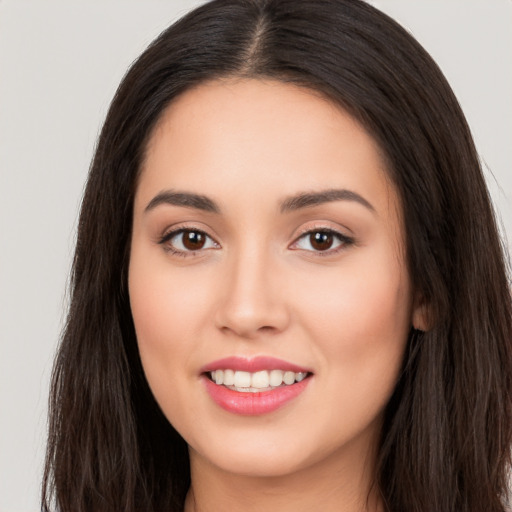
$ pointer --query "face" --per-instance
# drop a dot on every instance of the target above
(267, 280)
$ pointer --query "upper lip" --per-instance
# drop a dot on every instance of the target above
(254, 364)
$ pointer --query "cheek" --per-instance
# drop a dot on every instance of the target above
(161, 308)
(361, 318)
(164, 311)
(165, 308)
(169, 303)
(370, 292)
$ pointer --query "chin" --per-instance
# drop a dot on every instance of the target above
(259, 464)
(259, 456)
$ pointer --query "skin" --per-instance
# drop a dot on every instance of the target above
(258, 287)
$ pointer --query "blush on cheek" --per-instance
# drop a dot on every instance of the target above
(364, 323)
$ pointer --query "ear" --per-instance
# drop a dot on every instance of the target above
(421, 314)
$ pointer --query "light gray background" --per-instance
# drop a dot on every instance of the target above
(60, 62)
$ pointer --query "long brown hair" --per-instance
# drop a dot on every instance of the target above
(447, 432)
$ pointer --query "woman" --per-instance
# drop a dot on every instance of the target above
(288, 288)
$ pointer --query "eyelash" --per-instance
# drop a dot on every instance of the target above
(344, 241)
(166, 238)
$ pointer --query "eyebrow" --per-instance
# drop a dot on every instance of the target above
(185, 199)
(296, 202)
(309, 199)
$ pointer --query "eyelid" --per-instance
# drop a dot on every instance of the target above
(175, 230)
(345, 240)
(327, 226)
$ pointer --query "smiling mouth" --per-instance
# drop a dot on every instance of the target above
(256, 382)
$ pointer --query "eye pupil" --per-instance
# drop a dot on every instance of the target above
(193, 240)
(321, 241)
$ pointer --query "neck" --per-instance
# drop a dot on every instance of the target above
(327, 486)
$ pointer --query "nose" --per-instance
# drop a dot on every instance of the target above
(252, 298)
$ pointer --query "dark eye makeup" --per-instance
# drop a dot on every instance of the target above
(188, 241)
(322, 241)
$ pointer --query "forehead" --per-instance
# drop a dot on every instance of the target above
(239, 135)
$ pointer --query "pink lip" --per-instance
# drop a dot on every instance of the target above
(247, 403)
(252, 404)
(252, 365)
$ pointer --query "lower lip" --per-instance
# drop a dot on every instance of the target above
(252, 404)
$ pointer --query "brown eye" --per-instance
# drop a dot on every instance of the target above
(321, 240)
(188, 241)
(193, 240)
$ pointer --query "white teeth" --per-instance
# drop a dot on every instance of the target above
(289, 378)
(254, 382)
(276, 378)
(260, 379)
(242, 380)
(298, 376)
(229, 377)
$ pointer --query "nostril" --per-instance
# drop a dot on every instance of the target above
(266, 328)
